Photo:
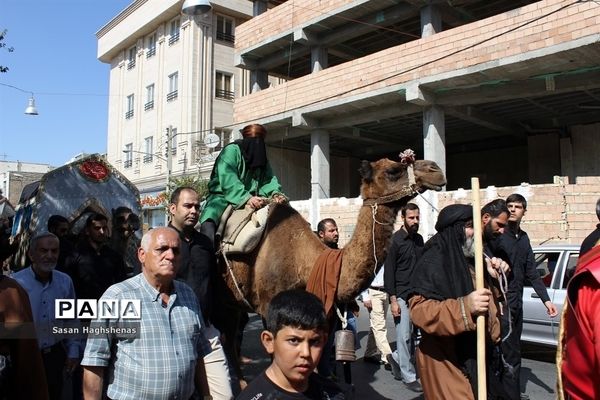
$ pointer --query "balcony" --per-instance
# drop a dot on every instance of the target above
(226, 37)
(127, 163)
(131, 64)
(172, 95)
(147, 158)
(129, 114)
(174, 38)
(224, 94)
(150, 52)
(149, 105)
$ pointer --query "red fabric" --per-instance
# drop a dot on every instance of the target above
(581, 364)
(324, 277)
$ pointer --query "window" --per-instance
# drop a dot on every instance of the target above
(151, 45)
(571, 266)
(131, 57)
(174, 32)
(148, 149)
(128, 155)
(224, 86)
(130, 105)
(173, 141)
(225, 136)
(149, 98)
(225, 29)
(545, 263)
(172, 94)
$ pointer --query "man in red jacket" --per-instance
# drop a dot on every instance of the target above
(581, 343)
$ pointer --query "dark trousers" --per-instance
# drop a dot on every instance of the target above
(511, 349)
(54, 362)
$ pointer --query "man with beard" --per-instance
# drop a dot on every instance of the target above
(44, 285)
(241, 176)
(514, 246)
(444, 304)
(197, 270)
(123, 239)
(405, 250)
(94, 266)
(327, 231)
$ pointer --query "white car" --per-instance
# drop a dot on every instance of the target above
(556, 264)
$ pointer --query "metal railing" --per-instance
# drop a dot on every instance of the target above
(131, 64)
(129, 114)
(224, 94)
(150, 52)
(127, 163)
(174, 38)
(226, 37)
(147, 158)
(172, 95)
(149, 105)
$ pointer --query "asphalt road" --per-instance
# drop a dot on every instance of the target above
(538, 372)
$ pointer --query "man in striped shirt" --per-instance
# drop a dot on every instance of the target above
(164, 358)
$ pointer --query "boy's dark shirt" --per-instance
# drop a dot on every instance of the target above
(319, 388)
(197, 267)
(93, 271)
(515, 248)
(402, 256)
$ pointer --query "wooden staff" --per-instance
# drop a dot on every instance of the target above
(478, 235)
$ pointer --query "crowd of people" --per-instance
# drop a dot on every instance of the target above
(173, 349)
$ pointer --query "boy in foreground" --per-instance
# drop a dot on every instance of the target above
(295, 336)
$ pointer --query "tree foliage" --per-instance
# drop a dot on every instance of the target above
(5, 47)
(198, 184)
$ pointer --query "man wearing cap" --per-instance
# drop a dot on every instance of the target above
(444, 303)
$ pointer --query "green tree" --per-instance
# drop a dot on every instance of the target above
(198, 184)
(6, 47)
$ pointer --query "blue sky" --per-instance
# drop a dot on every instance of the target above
(55, 57)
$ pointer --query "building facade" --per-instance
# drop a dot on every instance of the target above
(172, 86)
(15, 175)
(505, 90)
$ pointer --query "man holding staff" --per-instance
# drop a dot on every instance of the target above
(445, 304)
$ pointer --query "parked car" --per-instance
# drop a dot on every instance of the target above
(556, 264)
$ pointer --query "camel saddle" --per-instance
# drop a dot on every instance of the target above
(241, 230)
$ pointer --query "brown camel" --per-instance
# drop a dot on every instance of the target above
(285, 257)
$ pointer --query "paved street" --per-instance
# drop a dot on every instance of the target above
(371, 382)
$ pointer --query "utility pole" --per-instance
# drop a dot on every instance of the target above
(169, 159)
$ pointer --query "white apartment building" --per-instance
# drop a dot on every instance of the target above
(172, 83)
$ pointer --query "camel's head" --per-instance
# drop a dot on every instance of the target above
(384, 178)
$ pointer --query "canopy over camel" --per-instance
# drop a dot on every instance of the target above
(285, 257)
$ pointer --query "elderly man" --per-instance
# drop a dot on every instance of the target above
(444, 303)
(164, 360)
(44, 285)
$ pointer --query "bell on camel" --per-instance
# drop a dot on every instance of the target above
(344, 345)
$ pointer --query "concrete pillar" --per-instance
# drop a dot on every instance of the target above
(318, 58)
(259, 7)
(259, 80)
(319, 172)
(434, 149)
(431, 20)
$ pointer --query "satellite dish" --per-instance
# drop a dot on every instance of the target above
(212, 140)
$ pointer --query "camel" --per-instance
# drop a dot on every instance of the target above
(285, 257)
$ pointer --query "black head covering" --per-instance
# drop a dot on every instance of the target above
(254, 151)
(442, 271)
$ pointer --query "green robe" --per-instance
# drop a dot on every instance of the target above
(232, 183)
